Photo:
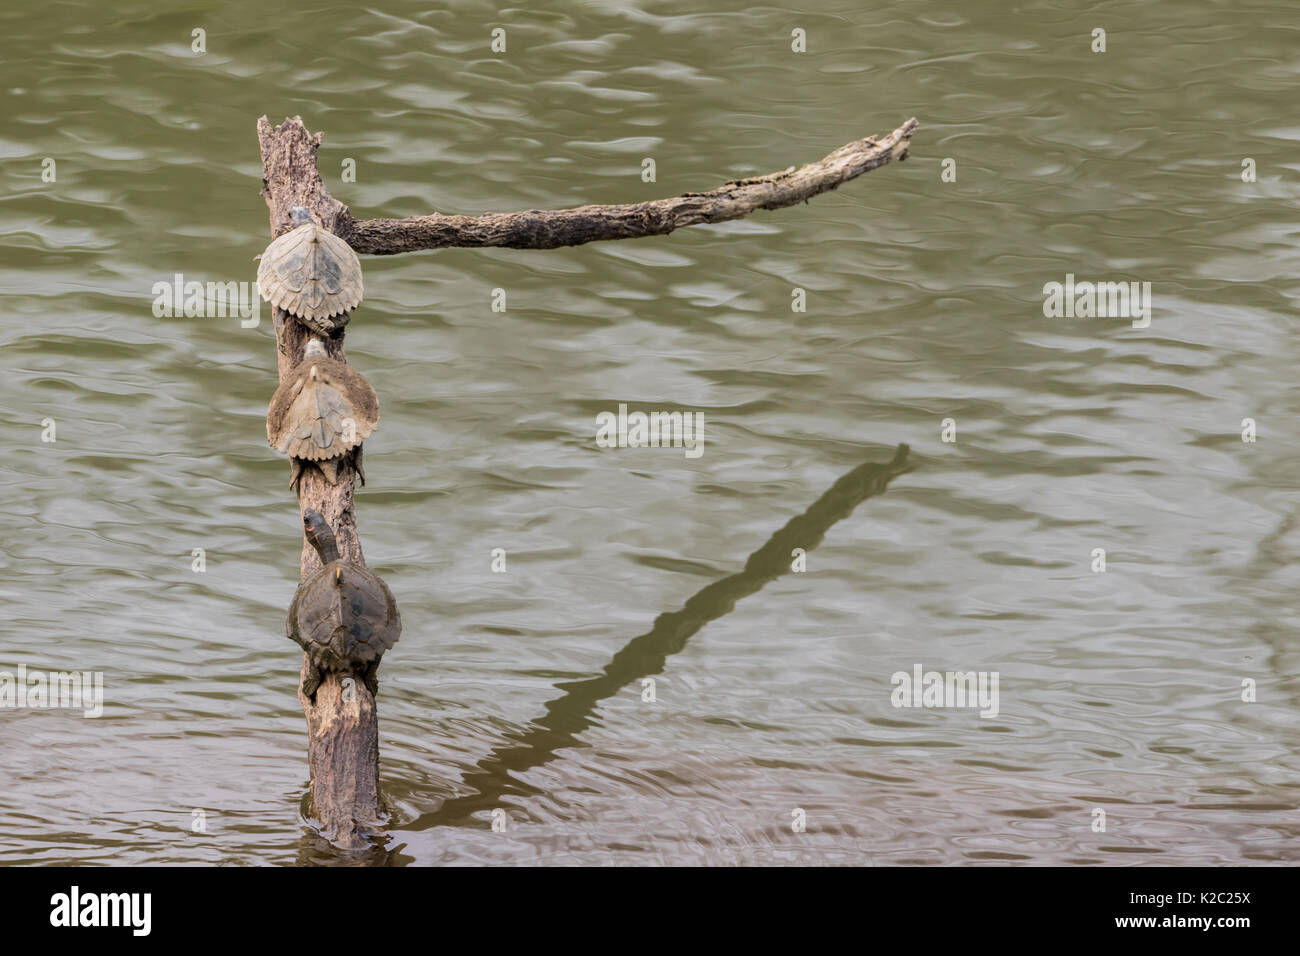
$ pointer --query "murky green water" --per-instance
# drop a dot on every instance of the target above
(1118, 691)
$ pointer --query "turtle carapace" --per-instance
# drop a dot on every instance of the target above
(312, 274)
(343, 616)
(323, 410)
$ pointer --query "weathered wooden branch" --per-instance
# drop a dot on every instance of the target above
(343, 728)
(552, 228)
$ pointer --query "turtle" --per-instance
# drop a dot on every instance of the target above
(312, 274)
(323, 410)
(343, 616)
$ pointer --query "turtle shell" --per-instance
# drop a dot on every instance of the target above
(321, 410)
(312, 274)
(344, 617)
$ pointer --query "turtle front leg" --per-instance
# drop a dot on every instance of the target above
(371, 677)
(311, 681)
(356, 463)
(295, 473)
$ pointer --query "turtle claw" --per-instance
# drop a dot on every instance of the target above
(310, 683)
(329, 469)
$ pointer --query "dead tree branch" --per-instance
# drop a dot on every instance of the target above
(552, 228)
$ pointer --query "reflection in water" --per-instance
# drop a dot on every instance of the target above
(315, 850)
(567, 716)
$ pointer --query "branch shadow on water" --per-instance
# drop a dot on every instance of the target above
(497, 775)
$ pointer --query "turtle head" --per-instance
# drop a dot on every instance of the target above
(300, 216)
(319, 535)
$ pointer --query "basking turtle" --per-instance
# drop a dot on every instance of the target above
(343, 616)
(322, 411)
(312, 274)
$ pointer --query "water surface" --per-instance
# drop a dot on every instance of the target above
(1119, 691)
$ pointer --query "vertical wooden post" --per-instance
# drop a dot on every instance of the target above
(343, 723)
